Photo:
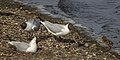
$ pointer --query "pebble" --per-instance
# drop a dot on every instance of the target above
(29, 12)
(94, 54)
(89, 56)
(86, 44)
(86, 53)
(21, 7)
(104, 58)
(16, 23)
(63, 46)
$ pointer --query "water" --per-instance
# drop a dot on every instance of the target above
(101, 17)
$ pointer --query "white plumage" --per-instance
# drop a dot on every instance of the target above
(56, 29)
(26, 47)
(31, 25)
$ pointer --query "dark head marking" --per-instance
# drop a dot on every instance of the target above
(23, 25)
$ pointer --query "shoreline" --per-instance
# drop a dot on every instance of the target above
(91, 47)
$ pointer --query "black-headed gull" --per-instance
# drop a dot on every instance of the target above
(26, 47)
(31, 25)
(55, 29)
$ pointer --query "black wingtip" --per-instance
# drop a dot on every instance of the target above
(40, 18)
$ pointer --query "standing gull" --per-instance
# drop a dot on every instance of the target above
(31, 25)
(55, 29)
(26, 47)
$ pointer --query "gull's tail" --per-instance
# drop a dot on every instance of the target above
(11, 43)
(11, 40)
(33, 41)
(67, 25)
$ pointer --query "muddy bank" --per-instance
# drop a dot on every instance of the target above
(74, 46)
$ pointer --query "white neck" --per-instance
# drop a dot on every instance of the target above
(29, 26)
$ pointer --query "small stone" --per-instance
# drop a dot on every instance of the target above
(63, 46)
(94, 54)
(6, 7)
(50, 40)
(16, 23)
(16, 8)
(93, 45)
(90, 56)
(86, 44)
(29, 12)
(104, 58)
(57, 46)
(86, 53)
(4, 32)
(21, 7)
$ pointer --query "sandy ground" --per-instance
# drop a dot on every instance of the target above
(74, 46)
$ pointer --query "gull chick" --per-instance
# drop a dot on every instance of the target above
(55, 29)
(26, 47)
(31, 25)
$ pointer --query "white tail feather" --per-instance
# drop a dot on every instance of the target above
(10, 43)
(67, 25)
(33, 40)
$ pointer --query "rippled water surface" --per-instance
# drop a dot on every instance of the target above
(102, 17)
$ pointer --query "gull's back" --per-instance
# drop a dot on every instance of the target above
(55, 28)
(22, 46)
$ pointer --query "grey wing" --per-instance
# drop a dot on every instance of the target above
(54, 27)
(21, 46)
(37, 25)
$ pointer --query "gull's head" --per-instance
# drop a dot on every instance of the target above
(23, 25)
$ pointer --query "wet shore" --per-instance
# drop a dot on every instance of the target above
(74, 46)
